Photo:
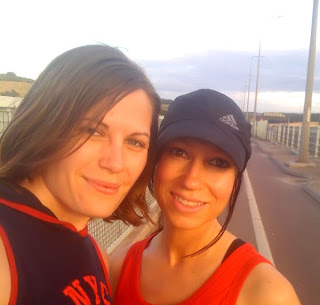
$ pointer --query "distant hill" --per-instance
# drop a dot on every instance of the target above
(13, 85)
(12, 77)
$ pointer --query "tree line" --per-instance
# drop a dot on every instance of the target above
(12, 93)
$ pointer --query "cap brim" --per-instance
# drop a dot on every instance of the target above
(226, 141)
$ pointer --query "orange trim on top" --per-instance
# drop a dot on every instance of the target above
(104, 268)
(13, 268)
(40, 215)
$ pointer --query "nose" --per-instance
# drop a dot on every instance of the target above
(112, 156)
(193, 175)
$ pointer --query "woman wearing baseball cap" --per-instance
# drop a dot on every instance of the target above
(203, 150)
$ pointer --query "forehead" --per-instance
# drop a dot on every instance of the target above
(137, 99)
(134, 108)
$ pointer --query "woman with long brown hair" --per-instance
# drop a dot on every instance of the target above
(76, 148)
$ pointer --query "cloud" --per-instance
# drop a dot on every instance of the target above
(228, 72)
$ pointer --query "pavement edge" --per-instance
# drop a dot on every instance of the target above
(309, 189)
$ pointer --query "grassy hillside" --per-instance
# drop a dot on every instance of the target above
(20, 87)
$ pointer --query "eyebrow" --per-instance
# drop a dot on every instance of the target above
(105, 126)
(141, 134)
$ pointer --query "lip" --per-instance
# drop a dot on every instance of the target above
(185, 208)
(103, 187)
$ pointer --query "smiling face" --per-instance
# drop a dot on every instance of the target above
(193, 183)
(93, 180)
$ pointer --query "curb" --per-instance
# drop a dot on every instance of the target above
(289, 171)
(315, 195)
(286, 169)
(307, 188)
(276, 145)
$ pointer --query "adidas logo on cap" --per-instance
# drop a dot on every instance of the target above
(229, 120)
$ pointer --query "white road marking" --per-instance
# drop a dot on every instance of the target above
(261, 238)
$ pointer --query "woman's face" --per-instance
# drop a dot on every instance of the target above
(93, 180)
(193, 183)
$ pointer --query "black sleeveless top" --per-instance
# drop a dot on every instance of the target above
(233, 247)
(50, 262)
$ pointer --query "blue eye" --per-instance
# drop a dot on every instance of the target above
(218, 162)
(136, 143)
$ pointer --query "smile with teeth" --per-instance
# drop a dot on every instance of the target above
(188, 202)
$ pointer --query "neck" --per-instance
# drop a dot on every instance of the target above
(176, 243)
(37, 187)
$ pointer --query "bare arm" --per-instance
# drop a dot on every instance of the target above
(5, 277)
(266, 286)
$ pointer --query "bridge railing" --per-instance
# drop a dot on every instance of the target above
(109, 235)
(290, 136)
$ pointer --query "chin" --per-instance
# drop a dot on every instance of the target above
(186, 223)
(99, 212)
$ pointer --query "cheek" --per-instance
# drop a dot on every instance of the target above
(68, 165)
(79, 157)
(224, 186)
(64, 170)
(136, 165)
(162, 173)
(164, 176)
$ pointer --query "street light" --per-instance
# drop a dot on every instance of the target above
(248, 98)
(254, 123)
(254, 127)
(243, 108)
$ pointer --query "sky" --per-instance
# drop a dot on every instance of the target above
(182, 45)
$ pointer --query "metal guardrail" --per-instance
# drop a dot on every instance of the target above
(290, 136)
(109, 234)
(5, 117)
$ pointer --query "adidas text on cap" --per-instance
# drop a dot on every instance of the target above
(211, 116)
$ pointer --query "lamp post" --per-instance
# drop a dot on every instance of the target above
(243, 104)
(247, 115)
(254, 123)
(305, 130)
(254, 127)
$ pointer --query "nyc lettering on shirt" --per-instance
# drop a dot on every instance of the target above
(77, 291)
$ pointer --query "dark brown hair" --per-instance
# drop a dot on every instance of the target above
(46, 124)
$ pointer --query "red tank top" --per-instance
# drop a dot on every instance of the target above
(223, 286)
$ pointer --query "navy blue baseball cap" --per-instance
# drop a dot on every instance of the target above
(211, 116)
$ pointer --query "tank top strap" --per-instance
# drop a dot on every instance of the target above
(233, 247)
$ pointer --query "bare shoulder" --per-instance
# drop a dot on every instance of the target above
(5, 277)
(116, 261)
(267, 286)
(104, 255)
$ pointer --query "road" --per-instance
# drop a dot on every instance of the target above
(291, 221)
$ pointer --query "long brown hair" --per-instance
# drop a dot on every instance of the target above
(46, 124)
